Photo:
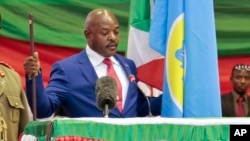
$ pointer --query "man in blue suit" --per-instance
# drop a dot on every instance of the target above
(73, 80)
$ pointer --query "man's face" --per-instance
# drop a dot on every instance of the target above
(104, 36)
(241, 80)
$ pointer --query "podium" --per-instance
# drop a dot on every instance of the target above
(131, 129)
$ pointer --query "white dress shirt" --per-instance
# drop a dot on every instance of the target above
(101, 69)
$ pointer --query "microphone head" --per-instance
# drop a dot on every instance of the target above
(106, 92)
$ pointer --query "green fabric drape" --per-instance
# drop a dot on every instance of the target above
(130, 132)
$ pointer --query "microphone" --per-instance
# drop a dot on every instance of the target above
(106, 94)
(140, 85)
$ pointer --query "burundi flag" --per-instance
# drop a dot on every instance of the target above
(185, 34)
(149, 62)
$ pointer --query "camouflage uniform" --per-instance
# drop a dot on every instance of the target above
(14, 108)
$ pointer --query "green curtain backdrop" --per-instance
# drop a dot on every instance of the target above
(60, 22)
(233, 26)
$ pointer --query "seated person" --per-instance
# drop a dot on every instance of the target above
(237, 102)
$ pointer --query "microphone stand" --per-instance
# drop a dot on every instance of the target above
(149, 107)
(106, 111)
(147, 99)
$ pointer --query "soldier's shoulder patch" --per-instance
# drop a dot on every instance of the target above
(2, 74)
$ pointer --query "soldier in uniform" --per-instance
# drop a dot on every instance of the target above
(13, 103)
(14, 110)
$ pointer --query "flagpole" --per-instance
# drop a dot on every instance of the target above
(33, 77)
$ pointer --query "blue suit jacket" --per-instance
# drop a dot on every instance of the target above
(72, 87)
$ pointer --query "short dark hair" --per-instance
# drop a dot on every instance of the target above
(239, 67)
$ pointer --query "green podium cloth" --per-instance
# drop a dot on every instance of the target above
(134, 129)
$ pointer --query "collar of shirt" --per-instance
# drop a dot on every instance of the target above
(236, 96)
(96, 59)
(101, 69)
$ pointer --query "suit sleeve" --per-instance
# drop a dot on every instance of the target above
(51, 97)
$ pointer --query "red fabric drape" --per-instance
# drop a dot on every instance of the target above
(14, 52)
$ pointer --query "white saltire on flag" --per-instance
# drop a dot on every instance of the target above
(149, 62)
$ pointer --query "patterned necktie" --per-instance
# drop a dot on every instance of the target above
(240, 109)
(112, 73)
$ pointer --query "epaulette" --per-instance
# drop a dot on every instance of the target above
(2, 74)
(6, 65)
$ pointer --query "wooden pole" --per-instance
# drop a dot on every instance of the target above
(32, 48)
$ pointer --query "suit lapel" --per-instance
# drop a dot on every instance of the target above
(130, 92)
(89, 73)
(231, 105)
(86, 68)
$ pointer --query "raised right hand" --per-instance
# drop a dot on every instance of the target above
(32, 65)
